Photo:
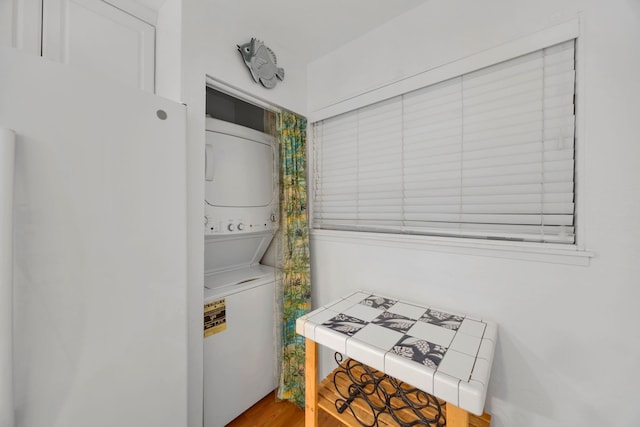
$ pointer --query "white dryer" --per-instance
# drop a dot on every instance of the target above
(239, 295)
(241, 180)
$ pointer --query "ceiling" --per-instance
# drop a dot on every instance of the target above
(317, 26)
(313, 28)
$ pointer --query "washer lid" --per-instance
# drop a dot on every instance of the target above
(224, 252)
(237, 280)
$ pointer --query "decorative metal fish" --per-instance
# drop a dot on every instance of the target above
(262, 63)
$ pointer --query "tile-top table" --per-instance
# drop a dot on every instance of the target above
(447, 355)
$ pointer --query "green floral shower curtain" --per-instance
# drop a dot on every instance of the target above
(294, 281)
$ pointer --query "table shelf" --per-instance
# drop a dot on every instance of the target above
(327, 395)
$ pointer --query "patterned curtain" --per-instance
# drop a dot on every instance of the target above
(293, 253)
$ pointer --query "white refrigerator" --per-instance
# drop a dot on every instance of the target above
(98, 333)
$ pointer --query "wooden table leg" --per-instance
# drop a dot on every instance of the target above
(457, 417)
(311, 384)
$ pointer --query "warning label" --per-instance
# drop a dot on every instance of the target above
(215, 317)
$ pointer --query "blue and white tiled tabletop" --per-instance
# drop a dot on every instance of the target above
(448, 355)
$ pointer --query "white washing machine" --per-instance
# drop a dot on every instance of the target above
(239, 295)
(239, 355)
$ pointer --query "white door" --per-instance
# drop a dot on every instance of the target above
(96, 36)
(99, 249)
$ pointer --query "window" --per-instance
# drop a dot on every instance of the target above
(489, 154)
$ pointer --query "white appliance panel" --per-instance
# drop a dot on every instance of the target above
(239, 361)
(242, 171)
(100, 249)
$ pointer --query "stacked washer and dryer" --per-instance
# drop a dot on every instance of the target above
(241, 206)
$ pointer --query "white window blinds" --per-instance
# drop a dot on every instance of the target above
(489, 154)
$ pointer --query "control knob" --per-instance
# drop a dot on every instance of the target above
(230, 227)
(240, 226)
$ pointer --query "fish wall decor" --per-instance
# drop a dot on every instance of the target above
(262, 63)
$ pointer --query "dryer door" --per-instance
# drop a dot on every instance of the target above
(240, 168)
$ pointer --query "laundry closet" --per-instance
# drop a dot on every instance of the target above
(240, 222)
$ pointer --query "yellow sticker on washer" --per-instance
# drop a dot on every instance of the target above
(215, 317)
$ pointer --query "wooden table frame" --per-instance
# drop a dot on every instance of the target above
(456, 417)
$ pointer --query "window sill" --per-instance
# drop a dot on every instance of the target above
(540, 252)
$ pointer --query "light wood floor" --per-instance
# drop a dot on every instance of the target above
(270, 412)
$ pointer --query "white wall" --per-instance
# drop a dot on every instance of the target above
(567, 352)
(210, 34)
(212, 29)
